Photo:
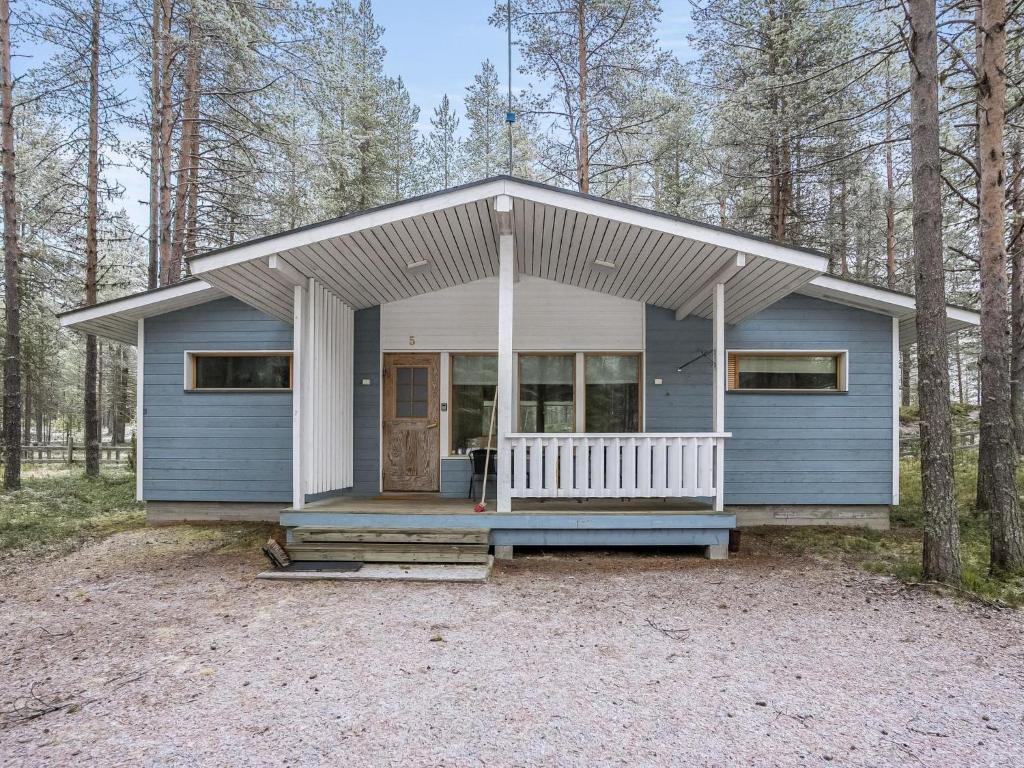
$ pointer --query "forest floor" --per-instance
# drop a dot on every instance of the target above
(58, 508)
(158, 647)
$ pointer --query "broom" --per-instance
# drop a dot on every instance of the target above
(487, 457)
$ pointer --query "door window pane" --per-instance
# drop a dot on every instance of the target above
(613, 393)
(411, 392)
(474, 379)
(242, 371)
(546, 393)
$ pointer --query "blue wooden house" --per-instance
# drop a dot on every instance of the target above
(652, 380)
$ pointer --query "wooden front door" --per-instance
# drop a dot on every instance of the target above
(410, 425)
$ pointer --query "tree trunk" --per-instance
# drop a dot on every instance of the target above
(92, 400)
(1017, 297)
(166, 130)
(905, 363)
(997, 459)
(941, 554)
(844, 264)
(12, 288)
(189, 115)
(583, 142)
(153, 273)
(26, 426)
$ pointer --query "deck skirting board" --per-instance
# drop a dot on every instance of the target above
(851, 516)
(663, 537)
(513, 521)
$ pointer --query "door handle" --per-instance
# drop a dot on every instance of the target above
(431, 426)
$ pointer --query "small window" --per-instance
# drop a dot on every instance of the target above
(613, 393)
(239, 370)
(547, 393)
(787, 371)
(474, 380)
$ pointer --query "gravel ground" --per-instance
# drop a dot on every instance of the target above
(159, 648)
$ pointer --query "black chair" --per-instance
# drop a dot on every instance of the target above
(478, 457)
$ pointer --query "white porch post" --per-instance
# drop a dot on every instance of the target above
(140, 408)
(298, 365)
(718, 398)
(505, 395)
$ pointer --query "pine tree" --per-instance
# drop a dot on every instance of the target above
(444, 150)
(400, 140)
(599, 61)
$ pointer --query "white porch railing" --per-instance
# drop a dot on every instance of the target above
(651, 465)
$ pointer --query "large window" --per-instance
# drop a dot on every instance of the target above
(239, 370)
(474, 379)
(613, 393)
(787, 371)
(546, 393)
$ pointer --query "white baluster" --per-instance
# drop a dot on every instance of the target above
(612, 479)
(675, 466)
(690, 467)
(643, 468)
(597, 487)
(550, 467)
(537, 467)
(629, 468)
(519, 475)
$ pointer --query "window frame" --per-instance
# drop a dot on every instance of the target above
(517, 385)
(842, 370)
(192, 355)
(451, 399)
(639, 386)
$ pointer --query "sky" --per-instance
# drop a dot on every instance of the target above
(436, 46)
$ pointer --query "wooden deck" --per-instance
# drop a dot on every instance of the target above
(431, 504)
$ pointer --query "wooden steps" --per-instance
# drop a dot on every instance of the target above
(394, 545)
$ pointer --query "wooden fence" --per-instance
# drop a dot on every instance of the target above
(66, 454)
(962, 441)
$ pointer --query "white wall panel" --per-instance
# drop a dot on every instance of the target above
(549, 316)
(328, 345)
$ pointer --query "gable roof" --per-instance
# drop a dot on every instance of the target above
(449, 238)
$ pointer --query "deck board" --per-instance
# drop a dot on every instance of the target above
(428, 504)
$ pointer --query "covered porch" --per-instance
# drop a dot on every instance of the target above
(503, 230)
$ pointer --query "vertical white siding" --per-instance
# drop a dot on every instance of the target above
(327, 349)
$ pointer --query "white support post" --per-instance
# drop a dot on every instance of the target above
(298, 363)
(897, 397)
(506, 363)
(718, 398)
(140, 409)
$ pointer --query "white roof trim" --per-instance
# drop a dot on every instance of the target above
(118, 319)
(880, 299)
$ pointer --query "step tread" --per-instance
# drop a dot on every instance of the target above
(392, 553)
(384, 535)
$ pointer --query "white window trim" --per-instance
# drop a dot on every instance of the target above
(844, 370)
(188, 378)
(579, 389)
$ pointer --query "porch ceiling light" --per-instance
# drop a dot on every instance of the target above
(418, 264)
(604, 264)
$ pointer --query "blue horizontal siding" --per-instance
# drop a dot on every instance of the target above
(199, 446)
(786, 448)
(366, 403)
